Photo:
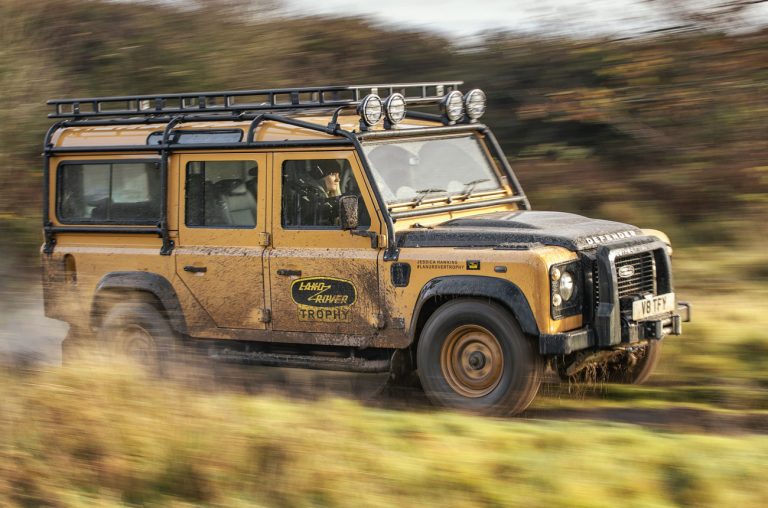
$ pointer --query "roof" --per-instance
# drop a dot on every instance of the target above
(131, 134)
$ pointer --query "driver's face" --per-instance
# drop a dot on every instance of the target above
(331, 184)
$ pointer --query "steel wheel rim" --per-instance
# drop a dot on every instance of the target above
(472, 361)
(137, 344)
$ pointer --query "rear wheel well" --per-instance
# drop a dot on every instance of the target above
(106, 298)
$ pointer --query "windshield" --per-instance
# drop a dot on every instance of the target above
(408, 171)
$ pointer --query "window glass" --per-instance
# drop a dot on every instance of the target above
(311, 191)
(408, 171)
(221, 193)
(120, 192)
(195, 137)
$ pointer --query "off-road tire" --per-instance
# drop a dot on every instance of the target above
(138, 331)
(620, 370)
(623, 372)
(472, 356)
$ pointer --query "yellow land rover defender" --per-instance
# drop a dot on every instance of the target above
(329, 228)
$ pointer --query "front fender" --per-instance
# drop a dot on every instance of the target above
(502, 291)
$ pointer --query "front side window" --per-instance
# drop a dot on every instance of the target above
(408, 171)
(311, 190)
(115, 192)
(221, 194)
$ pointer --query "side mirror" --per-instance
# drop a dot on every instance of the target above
(348, 209)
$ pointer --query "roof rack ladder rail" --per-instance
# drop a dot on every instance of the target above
(50, 237)
(133, 104)
(165, 151)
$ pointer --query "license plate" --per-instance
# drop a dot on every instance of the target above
(648, 307)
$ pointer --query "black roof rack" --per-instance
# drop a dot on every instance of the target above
(268, 99)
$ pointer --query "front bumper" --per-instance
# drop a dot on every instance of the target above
(631, 332)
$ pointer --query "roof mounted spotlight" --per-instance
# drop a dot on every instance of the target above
(453, 107)
(394, 110)
(474, 104)
(370, 110)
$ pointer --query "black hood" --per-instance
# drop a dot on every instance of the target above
(518, 229)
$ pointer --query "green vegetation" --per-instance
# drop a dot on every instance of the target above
(670, 126)
(97, 436)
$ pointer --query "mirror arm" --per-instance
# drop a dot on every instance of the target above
(370, 234)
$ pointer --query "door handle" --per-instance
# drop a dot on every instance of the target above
(195, 269)
(288, 273)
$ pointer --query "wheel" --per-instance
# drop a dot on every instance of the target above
(635, 368)
(473, 356)
(138, 331)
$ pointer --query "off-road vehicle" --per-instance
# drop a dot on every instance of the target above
(328, 228)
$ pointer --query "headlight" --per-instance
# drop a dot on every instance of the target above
(474, 103)
(565, 289)
(370, 109)
(566, 286)
(394, 108)
(453, 106)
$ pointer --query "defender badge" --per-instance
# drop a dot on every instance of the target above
(626, 271)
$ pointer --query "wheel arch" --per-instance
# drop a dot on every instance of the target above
(154, 287)
(441, 290)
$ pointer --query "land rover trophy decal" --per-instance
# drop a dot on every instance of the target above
(323, 299)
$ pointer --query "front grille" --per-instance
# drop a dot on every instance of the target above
(642, 281)
(643, 277)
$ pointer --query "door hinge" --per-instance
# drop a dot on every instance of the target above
(266, 316)
(265, 239)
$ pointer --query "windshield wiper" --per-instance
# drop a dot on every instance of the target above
(469, 187)
(423, 193)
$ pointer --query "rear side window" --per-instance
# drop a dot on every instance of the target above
(109, 192)
(221, 194)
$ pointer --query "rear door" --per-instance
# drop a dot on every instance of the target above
(222, 226)
(323, 279)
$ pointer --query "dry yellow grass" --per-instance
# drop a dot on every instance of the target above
(101, 436)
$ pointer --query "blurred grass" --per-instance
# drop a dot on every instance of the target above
(697, 435)
(107, 437)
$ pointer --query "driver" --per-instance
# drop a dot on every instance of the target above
(326, 174)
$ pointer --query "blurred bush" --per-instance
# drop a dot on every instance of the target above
(669, 124)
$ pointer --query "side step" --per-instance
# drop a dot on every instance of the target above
(375, 361)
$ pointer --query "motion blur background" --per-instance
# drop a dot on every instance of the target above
(647, 112)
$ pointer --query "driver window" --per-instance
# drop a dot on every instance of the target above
(311, 190)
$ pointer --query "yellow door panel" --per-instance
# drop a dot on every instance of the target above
(222, 220)
(322, 279)
(324, 290)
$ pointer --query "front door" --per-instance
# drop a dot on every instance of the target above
(222, 220)
(323, 279)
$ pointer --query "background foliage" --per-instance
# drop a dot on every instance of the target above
(666, 130)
